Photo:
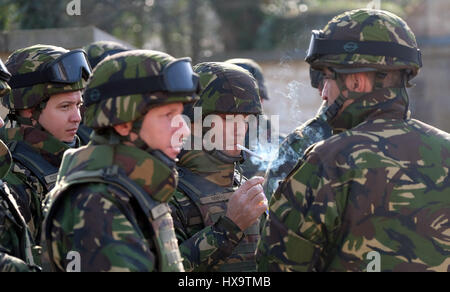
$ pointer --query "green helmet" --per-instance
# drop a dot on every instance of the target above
(256, 71)
(4, 78)
(125, 86)
(41, 71)
(227, 89)
(98, 51)
(365, 40)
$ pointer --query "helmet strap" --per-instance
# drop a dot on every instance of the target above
(141, 144)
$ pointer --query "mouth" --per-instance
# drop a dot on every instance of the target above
(72, 131)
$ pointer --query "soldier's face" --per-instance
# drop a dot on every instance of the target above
(163, 129)
(61, 116)
(234, 130)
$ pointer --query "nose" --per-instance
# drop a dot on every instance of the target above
(75, 117)
(325, 90)
(179, 125)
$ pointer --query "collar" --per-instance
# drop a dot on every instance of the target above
(209, 167)
(154, 175)
(42, 141)
(385, 103)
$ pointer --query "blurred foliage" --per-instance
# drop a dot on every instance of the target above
(196, 28)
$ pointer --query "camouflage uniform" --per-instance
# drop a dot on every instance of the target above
(97, 52)
(208, 240)
(109, 204)
(36, 153)
(380, 185)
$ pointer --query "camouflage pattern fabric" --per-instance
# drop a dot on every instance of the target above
(368, 25)
(227, 89)
(381, 186)
(293, 148)
(101, 222)
(103, 111)
(33, 59)
(4, 88)
(16, 253)
(256, 71)
(98, 51)
(206, 239)
(15, 240)
(29, 192)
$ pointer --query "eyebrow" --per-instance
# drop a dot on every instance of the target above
(70, 102)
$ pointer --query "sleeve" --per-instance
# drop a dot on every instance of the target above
(204, 248)
(9, 243)
(91, 230)
(9, 263)
(295, 236)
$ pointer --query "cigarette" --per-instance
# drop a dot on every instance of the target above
(250, 152)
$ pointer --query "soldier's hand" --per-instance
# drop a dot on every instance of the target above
(248, 203)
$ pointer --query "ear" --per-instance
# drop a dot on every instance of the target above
(359, 82)
(26, 113)
(123, 129)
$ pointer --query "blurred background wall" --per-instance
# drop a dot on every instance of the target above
(275, 33)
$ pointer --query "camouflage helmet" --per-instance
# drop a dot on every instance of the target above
(256, 71)
(227, 89)
(365, 40)
(126, 85)
(32, 61)
(4, 78)
(98, 51)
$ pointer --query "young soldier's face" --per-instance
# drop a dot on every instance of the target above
(61, 116)
(163, 129)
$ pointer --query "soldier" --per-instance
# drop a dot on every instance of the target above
(374, 196)
(45, 100)
(252, 166)
(15, 240)
(110, 202)
(97, 52)
(215, 209)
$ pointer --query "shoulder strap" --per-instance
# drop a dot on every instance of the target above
(111, 175)
(41, 168)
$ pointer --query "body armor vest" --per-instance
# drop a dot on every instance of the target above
(157, 213)
(43, 170)
(210, 203)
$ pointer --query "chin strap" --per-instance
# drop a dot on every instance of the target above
(333, 110)
(141, 144)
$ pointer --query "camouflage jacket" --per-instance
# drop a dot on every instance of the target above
(43, 150)
(293, 148)
(104, 222)
(379, 190)
(15, 239)
(207, 239)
